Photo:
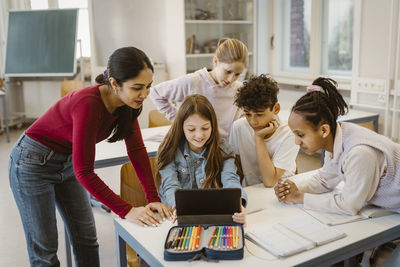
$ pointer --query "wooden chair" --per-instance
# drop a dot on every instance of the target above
(368, 125)
(157, 119)
(132, 192)
(131, 189)
(70, 85)
(67, 87)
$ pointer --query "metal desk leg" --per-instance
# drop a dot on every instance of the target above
(121, 251)
(67, 249)
(5, 114)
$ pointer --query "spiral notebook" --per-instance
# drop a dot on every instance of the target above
(335, 219)
(292, 236)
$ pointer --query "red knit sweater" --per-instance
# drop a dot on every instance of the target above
(74, 125)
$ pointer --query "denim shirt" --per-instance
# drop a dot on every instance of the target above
(186, 172)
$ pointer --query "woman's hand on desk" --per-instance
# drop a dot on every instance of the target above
(145, 215)
(240, 217)
(288, 192)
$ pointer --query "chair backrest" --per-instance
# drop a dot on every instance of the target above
(157, 119)
(70, 85)
(368, 125)
(131, 189)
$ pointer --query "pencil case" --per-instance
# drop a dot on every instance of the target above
(207, 242)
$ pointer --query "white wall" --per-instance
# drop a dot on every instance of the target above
(128, 23)
(156, 27)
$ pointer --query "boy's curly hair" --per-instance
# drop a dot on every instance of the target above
(259, 92)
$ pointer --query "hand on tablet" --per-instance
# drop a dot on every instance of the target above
(240, 217)
(145, 216)
(163, 210)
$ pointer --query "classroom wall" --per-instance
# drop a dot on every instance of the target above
(128, 23)
(374, 38)
(114, 26)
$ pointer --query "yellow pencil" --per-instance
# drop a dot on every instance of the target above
(190, 241)
(192, 237)
(237, 236)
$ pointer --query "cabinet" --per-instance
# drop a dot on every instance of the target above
(206, 21)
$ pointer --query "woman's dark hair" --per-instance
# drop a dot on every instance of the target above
(322, 106)
(124, 64)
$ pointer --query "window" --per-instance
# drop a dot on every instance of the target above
(83, 21)
(296, 55)
(337, 42)
(311, 38)
(83, 24)
(39, 4)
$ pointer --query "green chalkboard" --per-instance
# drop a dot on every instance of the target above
(41, 43)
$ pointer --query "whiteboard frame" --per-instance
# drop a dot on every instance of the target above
(61, 74)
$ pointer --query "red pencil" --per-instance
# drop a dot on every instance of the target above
(230, 237)
(198, 236)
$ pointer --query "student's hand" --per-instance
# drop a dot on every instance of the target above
(174, 215)
(270, 129)
(163, 210)
(143, 216)
(282, 189)
(288, 192)
(240, 217)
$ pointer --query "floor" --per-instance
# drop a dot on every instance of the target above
(11, 231)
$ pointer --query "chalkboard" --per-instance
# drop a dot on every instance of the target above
(41, 43)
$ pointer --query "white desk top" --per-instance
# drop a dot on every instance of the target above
(115, 153)
(350, 116)
(361, 235)
(109, 154)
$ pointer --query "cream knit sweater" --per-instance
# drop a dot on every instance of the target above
(367, 162)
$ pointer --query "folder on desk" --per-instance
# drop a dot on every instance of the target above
(292, 236)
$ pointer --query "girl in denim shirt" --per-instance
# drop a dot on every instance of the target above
(193, 155)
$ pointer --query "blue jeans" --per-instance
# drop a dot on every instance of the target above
(42, 180)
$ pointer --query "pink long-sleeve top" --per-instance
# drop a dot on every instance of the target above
(74, 125)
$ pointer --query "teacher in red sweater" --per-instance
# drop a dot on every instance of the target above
(52, 163)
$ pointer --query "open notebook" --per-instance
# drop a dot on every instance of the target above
(292, 236)
(335, 219)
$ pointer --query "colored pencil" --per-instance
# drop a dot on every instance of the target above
(198, 236)
(231, 236)
(181, 239)
(192, 237)
(224, 238)
(171, 238)
(187, 240)
(216, 240)
(176, 238)
(237, 236)
(182, 245)
(212, 238)
(220, 237)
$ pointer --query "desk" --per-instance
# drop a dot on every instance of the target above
(353, 115)
(111, 154)
(361, 236)
(5, 115)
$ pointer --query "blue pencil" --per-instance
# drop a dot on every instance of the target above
(188, 237)
(220, 237)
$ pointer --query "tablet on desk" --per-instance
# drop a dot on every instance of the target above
(207, 206)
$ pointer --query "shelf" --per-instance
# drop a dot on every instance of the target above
(206, 55)
(193, 21)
